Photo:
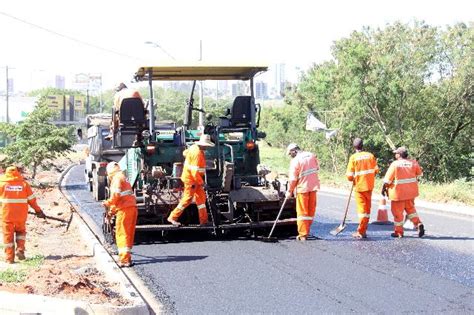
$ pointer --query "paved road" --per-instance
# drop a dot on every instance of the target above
(335, 274)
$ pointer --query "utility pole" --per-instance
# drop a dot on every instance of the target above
(7, 118)
(201, 93)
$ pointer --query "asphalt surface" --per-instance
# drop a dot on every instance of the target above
(202, 275)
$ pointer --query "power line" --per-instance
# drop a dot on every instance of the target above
(69, 37)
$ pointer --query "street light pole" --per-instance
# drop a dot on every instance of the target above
(7, 118)
(201, 93)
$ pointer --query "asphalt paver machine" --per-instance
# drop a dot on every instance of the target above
(239, 194)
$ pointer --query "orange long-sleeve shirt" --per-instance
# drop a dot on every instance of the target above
(194, 166)
(121, 194)
(15, 196)
(361, 169)
(402, 179)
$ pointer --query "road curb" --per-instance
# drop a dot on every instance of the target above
(13, 303)
(445, 208)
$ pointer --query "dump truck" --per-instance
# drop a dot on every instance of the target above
(99, 153)
(239, 194)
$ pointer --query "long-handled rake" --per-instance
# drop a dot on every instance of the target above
(343, 225)
(271, 239)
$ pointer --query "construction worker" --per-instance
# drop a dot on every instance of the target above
(194, 170)
(304, 183)
(361, 170)
(15, 196)
(123, 205)
(401, 185)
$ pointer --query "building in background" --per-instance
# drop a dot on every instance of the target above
(261, 90)
(60, 82)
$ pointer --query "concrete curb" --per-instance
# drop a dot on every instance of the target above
(12, 303)
(445, 208)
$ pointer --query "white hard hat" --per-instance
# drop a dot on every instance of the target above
(205, 141)
(112, 167)
(291, 147)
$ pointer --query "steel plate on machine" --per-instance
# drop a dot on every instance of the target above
(254, 194)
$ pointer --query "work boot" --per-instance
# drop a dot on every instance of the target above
(9, 261)
(125, 264)
(20, 255)
(301, 238)
(174, 222)
(421, 230)
(396, 235)
(359, 235)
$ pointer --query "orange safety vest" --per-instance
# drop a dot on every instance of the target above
(303, 174)
(123, 94)
(15, 196)
(361, 169)
(121, 194)
(402, 178)
(194, 166)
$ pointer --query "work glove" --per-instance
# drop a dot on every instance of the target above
(384, 191)
(288, 194)
(41, 214)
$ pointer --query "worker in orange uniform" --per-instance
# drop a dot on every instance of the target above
(15, 196)
(361, 170)
(122, 203)
(401, 185)
(194, 170)
(304, 183)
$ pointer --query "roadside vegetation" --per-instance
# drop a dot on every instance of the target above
(19, 272)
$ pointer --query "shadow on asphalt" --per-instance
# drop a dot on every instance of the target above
(145, 260)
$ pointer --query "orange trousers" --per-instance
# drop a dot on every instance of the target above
(190, 192)
(397, 211)
(13, 230)
(305, 210)
(363, 201)
(126, 221)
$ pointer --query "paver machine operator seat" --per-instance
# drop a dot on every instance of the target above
(132, 121)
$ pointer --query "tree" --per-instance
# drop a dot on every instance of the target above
(36, 141)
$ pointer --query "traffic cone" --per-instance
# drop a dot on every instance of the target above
(382, 215)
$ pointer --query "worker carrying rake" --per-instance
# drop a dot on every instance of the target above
(15, 196)
(304, 183)
(401, 185)
(361, 171)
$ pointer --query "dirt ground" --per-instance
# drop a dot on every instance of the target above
(58, 263)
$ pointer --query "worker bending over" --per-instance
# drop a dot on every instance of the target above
(361, 170)
(123, 205)
(304, 183)
(15, 196)
(194, 170)
(401, 184)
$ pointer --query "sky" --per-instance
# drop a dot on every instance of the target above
(43, 38)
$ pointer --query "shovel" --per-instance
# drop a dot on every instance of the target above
(271, 239)
(343, 225)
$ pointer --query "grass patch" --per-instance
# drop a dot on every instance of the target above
(12, 276)
(33, 262)
(459, 191)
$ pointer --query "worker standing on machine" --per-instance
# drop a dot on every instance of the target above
(304, 183)
(122, 203)
(15, 196)
(192, 177)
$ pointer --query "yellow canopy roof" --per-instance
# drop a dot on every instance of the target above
(199, 71)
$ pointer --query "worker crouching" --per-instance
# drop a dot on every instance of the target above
(15, 196)
(123, 205)
(194, 170)
(304, 183)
